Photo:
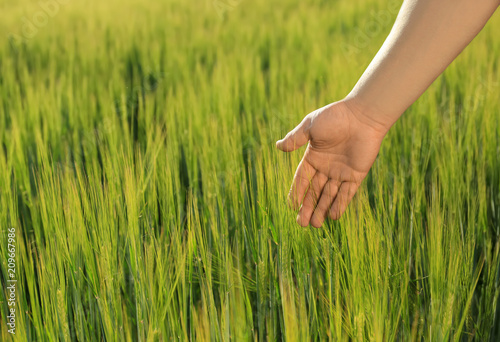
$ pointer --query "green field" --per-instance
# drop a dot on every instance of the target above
(138, 167)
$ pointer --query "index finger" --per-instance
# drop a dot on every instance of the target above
(303, 176)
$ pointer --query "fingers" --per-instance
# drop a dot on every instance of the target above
(311, 199)
(327, 197)
(303, 177)
(296, 138)
(344, 196)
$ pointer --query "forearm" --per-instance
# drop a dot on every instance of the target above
(426, 37)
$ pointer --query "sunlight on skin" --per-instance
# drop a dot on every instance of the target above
(345, 137)
(339, 155)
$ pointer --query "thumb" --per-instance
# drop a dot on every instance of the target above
(296, 138)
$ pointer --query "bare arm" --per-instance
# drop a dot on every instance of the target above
(344, 137)
(426, 37)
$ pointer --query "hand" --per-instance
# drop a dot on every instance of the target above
(343, 144)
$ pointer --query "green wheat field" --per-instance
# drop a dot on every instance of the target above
(139, 172)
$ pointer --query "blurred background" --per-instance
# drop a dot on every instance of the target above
(139, 171)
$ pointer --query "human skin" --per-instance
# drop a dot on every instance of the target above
(344, 137)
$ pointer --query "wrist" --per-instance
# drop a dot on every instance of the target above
(367, 115)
